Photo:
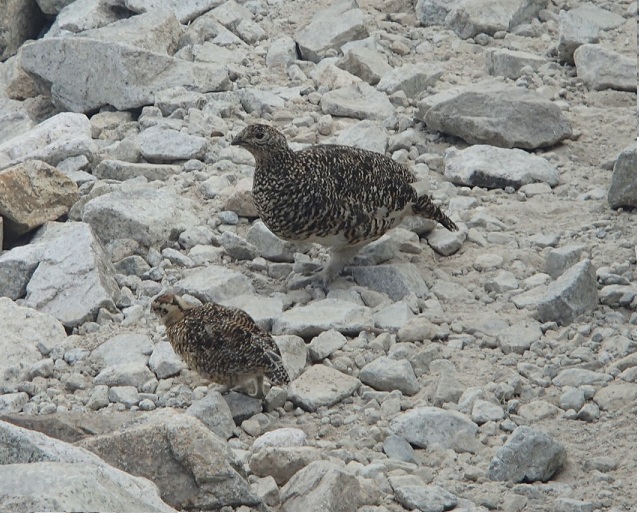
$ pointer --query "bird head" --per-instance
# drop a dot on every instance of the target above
(260, 140)
(169, 308)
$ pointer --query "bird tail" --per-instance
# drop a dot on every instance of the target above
(425, 207)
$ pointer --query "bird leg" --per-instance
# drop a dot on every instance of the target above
(324, 276)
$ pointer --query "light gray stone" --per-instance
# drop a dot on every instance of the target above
(185, 10)
(262, 309)
(509, 63)
(270, 246)
(320, 385)
(572, 399)
(325, 344)
(260, 102)
(54, 463)
(119, 170)
(214, 413)
(395, 280)
(417, 329)
(567, 504)
(13, 403)
(124, 374)
(388, 374)
(528, 455)
(160, 145)
(365, 63)
(294, 351)
(572, 294)
(393, 317)
(327, 74)
(487, 166)
(312, 319)
(427, 425)
(330, 29)
(164, 362)
(282, 437)
(366, 134)
(490, 112)
(398, 448)
(65, 63)
(146, 215)
(413, 79)
(623, 187)
(84, 15)
(486, 411)
(560, 259)
(602, 69)
(127, 395)
(75, 277)
(519, 337)
(433, 12)
(536, 411)
(322, 486)
(188, 462)
(123, 349)
(61, 136)
(282, 462)
(16, 267)
(505, 281)
(471, 17)
(425, 498)
(616, 396)
(615, 295)
(360, 101)
(238, 248)
(577, 377)
(214, 283)
(446, 242)
(281, 53)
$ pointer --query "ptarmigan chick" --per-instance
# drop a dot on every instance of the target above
(221, 343)
(338, 196)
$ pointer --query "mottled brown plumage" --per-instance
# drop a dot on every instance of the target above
(338, 196)
(221, 343)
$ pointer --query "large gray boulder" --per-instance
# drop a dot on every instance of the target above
(146, 215)
(528, 455)
(44, 474)
(75, 277)
(623, 187)
(495, 113)
(75, 68)
(487, 166)
(601, 68)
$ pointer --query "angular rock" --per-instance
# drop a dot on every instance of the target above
(433, 12)
(214, 283)
(560, 259)
(538, 410)
(59, 137)
(527, 456)
(330, 29)
(83, 16)
(445, 242)
(387, 374)
(282, 437)
(146, 215)
(123, 349)
(509, 63)
(20, 20)
(471, 17)
(214, 413)
(32, 193)
(578, 377)
(398, 448)
(519, 337)
(242, 407)
(366, 134)
(413, 79)
(281, 53)
(16, 268)
(160, 145)
(616, 396)
(394, 317)
(282, 462)
(360, 101)
(164, 362)
(259, 101)
(312, 319)
(189, 463)
(320, 385)
(66, 478)
(236, 247)
(601, 68)
(75, 277)
(395, 280)
(327, 74)
(124, 375)
(127, 395)
(13, 403)
(427, 425)
(425, 498)
(366, 64)
(485, 411)
(322, 486)
(325, 344)
(487, 166)
(498, 114)
(185, 10)
(65, 63)
(293, 350)
(270, 245)
(623, 187)
(119, 170)
(572, 294)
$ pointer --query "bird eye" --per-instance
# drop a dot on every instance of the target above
(259, 135)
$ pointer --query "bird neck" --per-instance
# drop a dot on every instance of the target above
(173, 317)
(274, 158)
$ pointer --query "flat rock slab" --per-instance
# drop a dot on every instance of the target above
(61, 136)
(320, 385)
(75, 67)
(146, 215)
(427, 425)
(498, 114)
(395, 280)
(318, 316)
(509, 63)
(360, 101)
(601, 68)
(616, 396)
(160, 145)
(571, 295)
(214, 283)
(119, 170)
(623, 188)
(75, 277)
(413, 79)
(497, 168)
(32, 193)
(388, 374)
(528, 455)
(425, 498)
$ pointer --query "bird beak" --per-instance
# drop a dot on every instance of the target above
(237, 141)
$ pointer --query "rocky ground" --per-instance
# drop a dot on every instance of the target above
(490, 369)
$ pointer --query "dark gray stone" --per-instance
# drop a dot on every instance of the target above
(623, 187)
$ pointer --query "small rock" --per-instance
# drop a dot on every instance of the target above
(215, 414)
(325, 344)
(387, 374)
(485, 411)
(282, 437)
(242, 407)
(164, 362)
(398, 448)
(425, 498)
(623, 187)
(395, 280)
(578, 377)
(321, 386)
(282, 463)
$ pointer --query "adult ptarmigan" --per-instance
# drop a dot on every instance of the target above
(338, 196)
(221, 343)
